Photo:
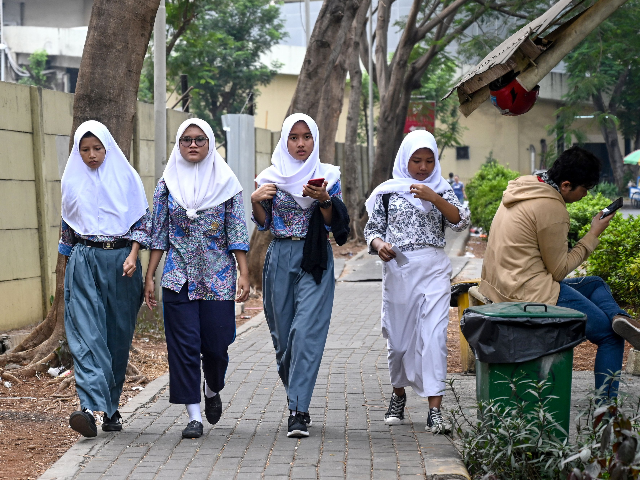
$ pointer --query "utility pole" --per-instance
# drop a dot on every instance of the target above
(2, 45)
(160, 90)
(370, 86)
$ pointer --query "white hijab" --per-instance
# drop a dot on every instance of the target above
(106, 201)
(203, 185)
(402, 179)
(290, 174)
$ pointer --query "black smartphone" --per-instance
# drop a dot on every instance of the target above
(612, 208)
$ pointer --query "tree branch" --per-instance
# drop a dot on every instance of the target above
(617, 91)
(364, 55)
(501, 9)
(430, 13)
(439, 18)
(407, 40)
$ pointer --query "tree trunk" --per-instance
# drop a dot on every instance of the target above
(610, 135)
(352, 184)
(325, 45)
(260, 241)
(331, 106)
(107, 90)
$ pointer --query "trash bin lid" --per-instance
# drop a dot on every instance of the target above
(525, 310)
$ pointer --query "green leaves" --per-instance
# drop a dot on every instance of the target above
(485, 192)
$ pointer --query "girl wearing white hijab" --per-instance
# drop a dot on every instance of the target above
(198, 219)
(409, 214)
(104, 221)
(297, 308)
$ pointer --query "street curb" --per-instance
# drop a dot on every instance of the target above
(458, 245)
(84, 449)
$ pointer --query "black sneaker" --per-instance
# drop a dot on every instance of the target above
(435, 422)
(297, 426)
(307, 419)
(193, 429)
(84, 423)
(212, 408)
(395, 412)
(113, 424)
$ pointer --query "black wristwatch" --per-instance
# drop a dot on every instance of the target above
(326, 204)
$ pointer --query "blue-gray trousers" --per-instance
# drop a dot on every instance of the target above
(100, 313)
(298, 312)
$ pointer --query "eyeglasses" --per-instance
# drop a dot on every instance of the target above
(187, 141)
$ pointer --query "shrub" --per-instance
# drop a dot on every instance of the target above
(581, 213)
(607, 189)
(617, 259)
(485, 192)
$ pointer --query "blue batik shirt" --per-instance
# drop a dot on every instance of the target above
(285, 218)
(139, 232)
(199, 250)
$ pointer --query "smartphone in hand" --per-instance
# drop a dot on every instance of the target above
(316, 182)
(617, 204)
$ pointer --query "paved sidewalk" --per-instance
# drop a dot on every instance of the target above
(348, 438)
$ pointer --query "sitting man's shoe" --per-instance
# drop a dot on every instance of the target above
(395, 412)
(435, 422)
(297, 426)
(193, 429)
(627, 328)
(84, 423)
(212, 408)
(113, 424)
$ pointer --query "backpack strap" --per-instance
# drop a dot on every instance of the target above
(385, 204)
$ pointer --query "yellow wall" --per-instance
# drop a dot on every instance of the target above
(274, 100)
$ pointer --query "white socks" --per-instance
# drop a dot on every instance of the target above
(193, 409)
(208, 392)
(87, 410)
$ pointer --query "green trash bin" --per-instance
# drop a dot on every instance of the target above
(515, 342)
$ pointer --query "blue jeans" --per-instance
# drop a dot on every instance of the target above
(592, 296)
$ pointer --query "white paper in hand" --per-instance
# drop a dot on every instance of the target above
(401, 258)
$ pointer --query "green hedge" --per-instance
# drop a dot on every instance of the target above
(581, 213)
(617, 259)
(484, 191)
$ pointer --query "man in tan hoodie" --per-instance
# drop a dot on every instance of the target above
(528, 256)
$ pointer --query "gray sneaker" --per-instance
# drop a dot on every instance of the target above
(627, 328)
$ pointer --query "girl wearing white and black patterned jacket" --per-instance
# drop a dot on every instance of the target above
(409, 213)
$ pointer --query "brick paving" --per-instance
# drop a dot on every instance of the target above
(348, 438)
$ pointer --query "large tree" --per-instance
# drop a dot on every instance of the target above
(119, 31)
(604, 73)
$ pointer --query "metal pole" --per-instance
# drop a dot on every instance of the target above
(160, 107)
(2, 45)
(370, 85)
(160, 90)
(307, 20)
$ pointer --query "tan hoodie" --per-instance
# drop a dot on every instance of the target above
(528, 251)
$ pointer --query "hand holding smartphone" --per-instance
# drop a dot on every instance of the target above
(316, 182)
(617, 204)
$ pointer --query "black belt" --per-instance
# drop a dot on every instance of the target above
(104, 245)
(290, 238)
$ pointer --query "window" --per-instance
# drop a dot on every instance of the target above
(462, 153)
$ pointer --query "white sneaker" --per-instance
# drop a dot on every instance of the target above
(435, 422)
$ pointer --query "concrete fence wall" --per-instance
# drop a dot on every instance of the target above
(34, 148)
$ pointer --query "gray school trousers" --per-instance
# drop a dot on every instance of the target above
(298, 312)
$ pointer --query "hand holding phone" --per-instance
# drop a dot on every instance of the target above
(617, 204)
(316, 182)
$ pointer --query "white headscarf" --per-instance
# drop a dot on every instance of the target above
(290, 174)
(402, 179)
(203, 185)
(105, 201)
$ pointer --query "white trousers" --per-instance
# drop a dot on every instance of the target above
(415, 315)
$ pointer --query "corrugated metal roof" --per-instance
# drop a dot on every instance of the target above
(501, 54)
